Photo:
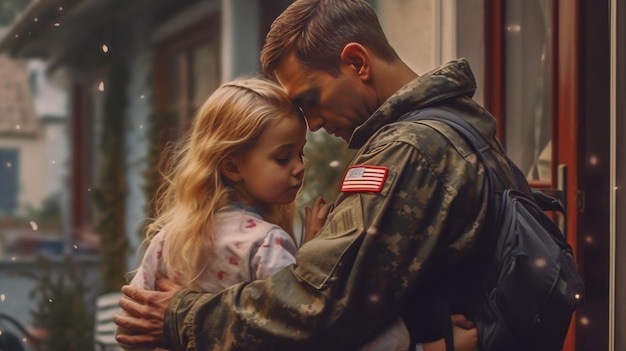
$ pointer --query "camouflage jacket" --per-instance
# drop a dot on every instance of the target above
(372, 253)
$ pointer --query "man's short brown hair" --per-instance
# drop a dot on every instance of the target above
(317, 31)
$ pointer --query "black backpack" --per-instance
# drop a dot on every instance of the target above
(528, 286)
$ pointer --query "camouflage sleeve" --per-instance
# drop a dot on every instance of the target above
(352, 279)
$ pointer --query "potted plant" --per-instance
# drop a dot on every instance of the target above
(61, 316)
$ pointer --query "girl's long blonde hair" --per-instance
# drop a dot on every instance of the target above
(230, 122)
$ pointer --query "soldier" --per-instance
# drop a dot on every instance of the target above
(412, 207)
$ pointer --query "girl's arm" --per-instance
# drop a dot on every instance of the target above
(145, 277)
(277, 251)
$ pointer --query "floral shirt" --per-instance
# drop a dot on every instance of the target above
(246, 248)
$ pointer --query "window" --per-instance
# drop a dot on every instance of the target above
(9, 166)
(189, 70)
(528, 86)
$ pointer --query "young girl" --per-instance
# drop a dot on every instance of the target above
(226, 213)
(227, 209)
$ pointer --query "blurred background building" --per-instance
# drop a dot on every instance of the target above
(92, 91)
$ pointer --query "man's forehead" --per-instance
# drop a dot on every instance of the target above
(292, 76)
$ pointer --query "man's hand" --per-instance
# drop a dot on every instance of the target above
(141, 323)
(315, 217)
(465, 333)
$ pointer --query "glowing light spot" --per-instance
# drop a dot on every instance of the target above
(334, 164)
(374, 298)
(101, 86)
(142, 96)
(514, 28)
(3, 297)
(9, 165)
(140, 126)
(540, 262)
(105, 48)
(54, 162)
(594, 160)
(60, 8)
(18, 127)
(17, 35)
(577, 296)
(34, 225)
(57, 24)
(50, 300)
(584, 321)
(13, 258)
(616, 188)
(75, 247)
(589, 239)
(88, 189)
(36, 19)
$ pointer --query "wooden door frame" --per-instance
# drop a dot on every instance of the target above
(566, 77)
(568, 90)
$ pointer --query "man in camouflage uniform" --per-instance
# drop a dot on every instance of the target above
(413, 200)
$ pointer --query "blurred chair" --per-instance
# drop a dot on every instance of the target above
(107, 306)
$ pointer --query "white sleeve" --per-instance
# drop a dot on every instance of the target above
(277, 251)
(145, 275)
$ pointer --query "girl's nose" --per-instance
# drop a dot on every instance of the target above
(298, 171)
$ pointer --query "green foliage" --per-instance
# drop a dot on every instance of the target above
(152, 177)
(48, 216)
(61, 308)
(326, 158)
(10, 10)
(110, 195)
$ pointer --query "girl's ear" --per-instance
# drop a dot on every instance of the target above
(229, 168)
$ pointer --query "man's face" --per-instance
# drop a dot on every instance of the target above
(337, 104)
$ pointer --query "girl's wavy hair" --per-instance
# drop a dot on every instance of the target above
(229, 123)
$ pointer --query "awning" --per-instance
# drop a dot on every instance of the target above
(40, 27)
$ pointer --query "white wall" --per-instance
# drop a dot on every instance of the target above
(428, 33)
(240, 38)
(421, 31)
(31, 171)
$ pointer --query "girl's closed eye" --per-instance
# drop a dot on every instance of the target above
(283, 160)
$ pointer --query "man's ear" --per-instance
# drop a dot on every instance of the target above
(356, 57)
(229, 168)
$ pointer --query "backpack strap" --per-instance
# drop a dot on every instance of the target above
(484, 152)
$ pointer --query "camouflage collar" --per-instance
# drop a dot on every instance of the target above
(452, 79)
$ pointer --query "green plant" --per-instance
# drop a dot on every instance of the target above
(110, 194)
(61, 308)
(48, 216)
(326, 158)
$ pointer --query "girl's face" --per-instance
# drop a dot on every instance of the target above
(272, 172)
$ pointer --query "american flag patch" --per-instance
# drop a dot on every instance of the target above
(364, 178)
